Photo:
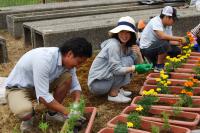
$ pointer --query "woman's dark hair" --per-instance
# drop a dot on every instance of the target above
(131, 42)
(79, 46)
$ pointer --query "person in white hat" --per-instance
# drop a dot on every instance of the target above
(112, 67)
(196, 32)
(157, 40)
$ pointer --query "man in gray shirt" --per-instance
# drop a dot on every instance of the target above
(42, 71)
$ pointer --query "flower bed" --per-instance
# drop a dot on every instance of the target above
(172, 75)
(146, 125)
(174, 82)
(167, 103)
(173, 91)
(186, 119)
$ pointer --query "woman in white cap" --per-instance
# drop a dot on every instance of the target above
(112, 67)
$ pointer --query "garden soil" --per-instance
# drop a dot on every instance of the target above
(105, 110)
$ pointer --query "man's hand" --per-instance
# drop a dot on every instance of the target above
(143, 68)
(184, 40)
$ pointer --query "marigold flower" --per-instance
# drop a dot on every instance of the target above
(158, 89)
(139, 108)
(158, 79)
(168, 82)
(188, 84)
(189, 93)
(194, 80)
(130, 124)
(183, 91)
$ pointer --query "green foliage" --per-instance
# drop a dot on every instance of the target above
(76, 111)
(185, 100)
(15, 130)
(176, 110)
(121, 128)
(166, 124)
(197, 70)
(155, 129)
(43, 125)
(134, 118)
(146, 102)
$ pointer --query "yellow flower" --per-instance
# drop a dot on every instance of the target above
(168, 82)
(162, 72)
(129, 124)
(158, 79)
(158, 89)
(155, 94)
(144, 93)
(165, 84)
(164, 76)
(139, 108)
(168, 57)
(166, 64)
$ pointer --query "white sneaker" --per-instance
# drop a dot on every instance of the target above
(119, 98)
(125, 93)
(57, 117)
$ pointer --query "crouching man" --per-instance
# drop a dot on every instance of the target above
(41, 72)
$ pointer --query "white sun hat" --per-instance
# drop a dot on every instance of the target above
(124, 23)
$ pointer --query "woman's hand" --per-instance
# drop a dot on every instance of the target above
(136, 50)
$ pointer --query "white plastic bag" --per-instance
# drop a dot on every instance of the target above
(2, 90)
(198, 5)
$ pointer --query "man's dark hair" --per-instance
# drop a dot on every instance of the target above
(79, 46)
(131, 42)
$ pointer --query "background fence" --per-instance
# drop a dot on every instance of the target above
(6, 3)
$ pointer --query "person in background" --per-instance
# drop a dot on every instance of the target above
(43, 71)
(113, 66)
(141, 25)
(157, 40)
(196, 32)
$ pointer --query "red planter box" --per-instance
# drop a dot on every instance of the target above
(145, 125)
(188, 66)
(193, 117)
(107, 130)
(171, 101)
(191, 61)
(93, 111)
(195, 54)
(174, 82)
(173, 75)
(184, 70)
(174, 91)
(194, 57)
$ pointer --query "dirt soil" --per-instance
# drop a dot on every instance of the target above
(106, 110)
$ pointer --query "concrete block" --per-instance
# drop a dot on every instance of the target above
(14, 22)
(52, 6)
(2, 90)
(3, 51)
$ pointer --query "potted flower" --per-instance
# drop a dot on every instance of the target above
(186, 119)
(174, 91)
(168, 103)
(145, 125)
(88, 112)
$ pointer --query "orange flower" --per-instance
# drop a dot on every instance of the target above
(188, 84)
(183, 91)
(194, 80)
(189, 93)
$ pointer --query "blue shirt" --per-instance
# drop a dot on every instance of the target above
(37, 69)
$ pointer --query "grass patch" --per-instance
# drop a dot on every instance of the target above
(7, 3)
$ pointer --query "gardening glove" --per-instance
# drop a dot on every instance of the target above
(143, 68)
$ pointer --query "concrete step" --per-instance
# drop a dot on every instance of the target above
(53, 6)
(14, 22)
(96, 30)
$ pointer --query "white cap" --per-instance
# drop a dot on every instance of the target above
(169, 11)
(124, 23)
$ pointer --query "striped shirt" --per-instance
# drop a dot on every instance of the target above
(196, 30)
